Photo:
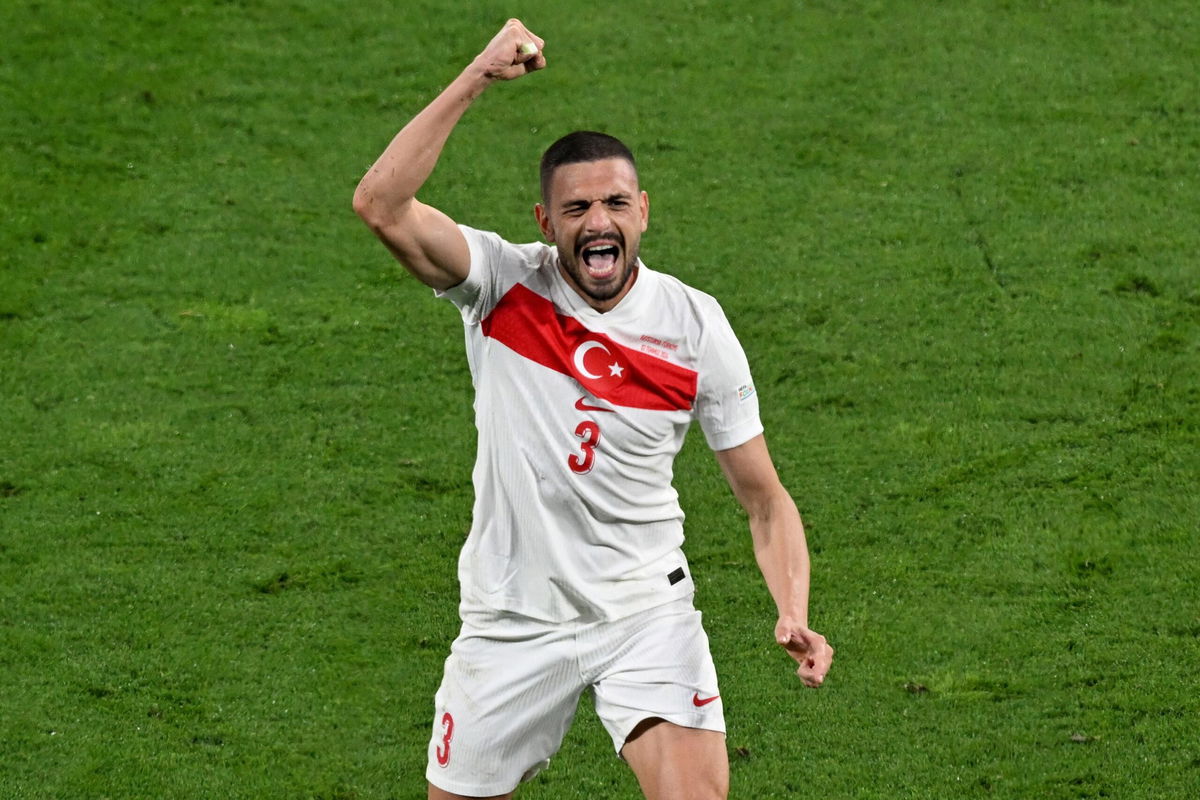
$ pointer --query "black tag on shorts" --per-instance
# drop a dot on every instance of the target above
(676, 575)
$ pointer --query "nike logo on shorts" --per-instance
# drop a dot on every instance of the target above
(582, 406)
(698, 703)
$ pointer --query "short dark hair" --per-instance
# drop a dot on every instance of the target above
(579, 147)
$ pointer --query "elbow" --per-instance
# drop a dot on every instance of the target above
(370, 207)
(364, 206)
(376, 217)
(388, 222)
(777, 506)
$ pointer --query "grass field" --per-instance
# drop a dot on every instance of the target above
(959, 242)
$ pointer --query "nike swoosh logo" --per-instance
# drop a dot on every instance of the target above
(698, 703)
(582, 406)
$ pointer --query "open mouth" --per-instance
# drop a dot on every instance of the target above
(600, 260)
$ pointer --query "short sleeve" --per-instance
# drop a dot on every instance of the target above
(472, 297)
(726, 402)
(496, 265)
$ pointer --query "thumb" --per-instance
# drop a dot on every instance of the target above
(792, 636)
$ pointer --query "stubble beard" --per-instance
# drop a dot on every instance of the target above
(588, 286)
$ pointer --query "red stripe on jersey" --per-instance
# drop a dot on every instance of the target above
(528, 324)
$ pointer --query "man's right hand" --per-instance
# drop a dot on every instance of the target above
(503, 58)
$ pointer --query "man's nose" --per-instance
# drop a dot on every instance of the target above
(596, 220)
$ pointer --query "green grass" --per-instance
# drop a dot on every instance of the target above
(958, 241)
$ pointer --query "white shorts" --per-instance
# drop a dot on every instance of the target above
(511, 686)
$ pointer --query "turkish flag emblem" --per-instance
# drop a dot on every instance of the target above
(598, 365)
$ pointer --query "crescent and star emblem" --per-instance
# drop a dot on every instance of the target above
(615, 369)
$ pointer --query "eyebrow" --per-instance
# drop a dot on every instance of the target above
(584, 203)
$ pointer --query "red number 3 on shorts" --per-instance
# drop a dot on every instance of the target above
(443, 751)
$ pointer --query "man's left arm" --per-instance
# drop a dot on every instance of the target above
(781, 551)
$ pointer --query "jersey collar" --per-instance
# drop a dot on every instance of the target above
(630, 305)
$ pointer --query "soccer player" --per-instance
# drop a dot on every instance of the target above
(588, 369)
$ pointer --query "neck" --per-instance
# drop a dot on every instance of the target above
(607, 304)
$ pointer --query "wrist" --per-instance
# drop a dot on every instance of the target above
(476, 78)
(794, 618)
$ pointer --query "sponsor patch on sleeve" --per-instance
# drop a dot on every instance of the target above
(745, 392)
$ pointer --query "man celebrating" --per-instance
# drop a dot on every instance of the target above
(588, 369)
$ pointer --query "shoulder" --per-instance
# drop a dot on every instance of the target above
(496, 265)
(683, 299)
(488, 247)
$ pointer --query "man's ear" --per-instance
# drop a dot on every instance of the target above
(644, 201)
(543, 221)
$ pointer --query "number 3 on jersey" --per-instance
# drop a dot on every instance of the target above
(589, 435)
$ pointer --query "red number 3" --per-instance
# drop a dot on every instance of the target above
(589, 433)
(443, 751)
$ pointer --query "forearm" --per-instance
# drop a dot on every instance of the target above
(399, 173)
(781, 550)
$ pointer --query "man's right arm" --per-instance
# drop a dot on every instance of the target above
(426, 241)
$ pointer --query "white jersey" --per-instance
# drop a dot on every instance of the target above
(580, 415)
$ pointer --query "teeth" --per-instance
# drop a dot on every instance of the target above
(600, 259)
